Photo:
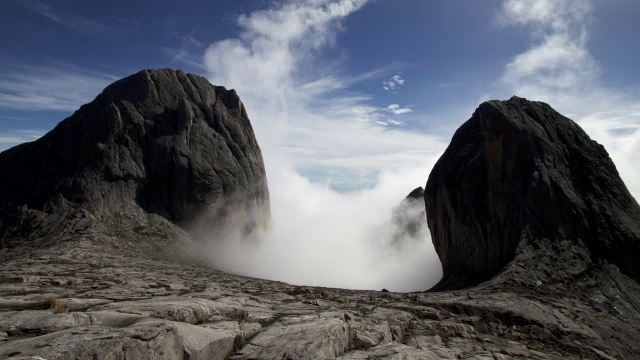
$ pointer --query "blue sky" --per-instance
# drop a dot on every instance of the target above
(351, 86)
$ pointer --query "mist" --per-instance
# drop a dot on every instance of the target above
(337, 166)
(322, 237)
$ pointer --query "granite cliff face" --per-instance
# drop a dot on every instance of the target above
(158, 142)
(518, 175)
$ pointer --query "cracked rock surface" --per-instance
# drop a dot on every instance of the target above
(88, 298)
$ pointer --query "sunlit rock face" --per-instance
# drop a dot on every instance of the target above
(159, 142)
(520, 177)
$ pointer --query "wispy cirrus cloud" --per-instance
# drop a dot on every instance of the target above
(12, 138)
(60, 88)
(73, 22)
(396, 122)
(189, 53)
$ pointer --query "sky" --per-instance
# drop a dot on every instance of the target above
(352, 101)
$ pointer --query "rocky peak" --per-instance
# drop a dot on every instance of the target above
(408, 221)
(518, 174)
(168, 87)
(417, 193)
(160, 142)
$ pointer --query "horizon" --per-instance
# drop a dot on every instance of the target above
(352, 101)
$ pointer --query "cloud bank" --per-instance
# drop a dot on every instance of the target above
(309, 123)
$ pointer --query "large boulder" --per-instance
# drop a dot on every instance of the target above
(519, 179)
(158, 142)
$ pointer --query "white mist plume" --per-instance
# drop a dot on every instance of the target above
(320, 236)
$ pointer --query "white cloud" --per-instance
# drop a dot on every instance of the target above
(397, 123)
(12, 138)
(325, 238)
(293, 108)
(50, 88)
(559, 69)
(397, 110)
(394, 83)
(556, 16)
(558, 58)
(308, 121)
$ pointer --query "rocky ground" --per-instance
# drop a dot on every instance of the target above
(93, 297)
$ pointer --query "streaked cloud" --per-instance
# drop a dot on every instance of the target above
(73, 22)
(189, 52)
(58, 87)
(396, 123)
(10, 139)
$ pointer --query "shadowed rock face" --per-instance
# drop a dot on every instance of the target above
(518, 174)
(161, 141)
(408, 220)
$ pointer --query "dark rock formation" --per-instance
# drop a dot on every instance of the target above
(520, 182)
(408, 219)
(157, 142)
(417, 193)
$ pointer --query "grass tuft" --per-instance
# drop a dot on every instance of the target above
(51, 302)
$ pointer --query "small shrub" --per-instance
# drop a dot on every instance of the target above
(49, 301)
(60, 308)
(52, 303)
